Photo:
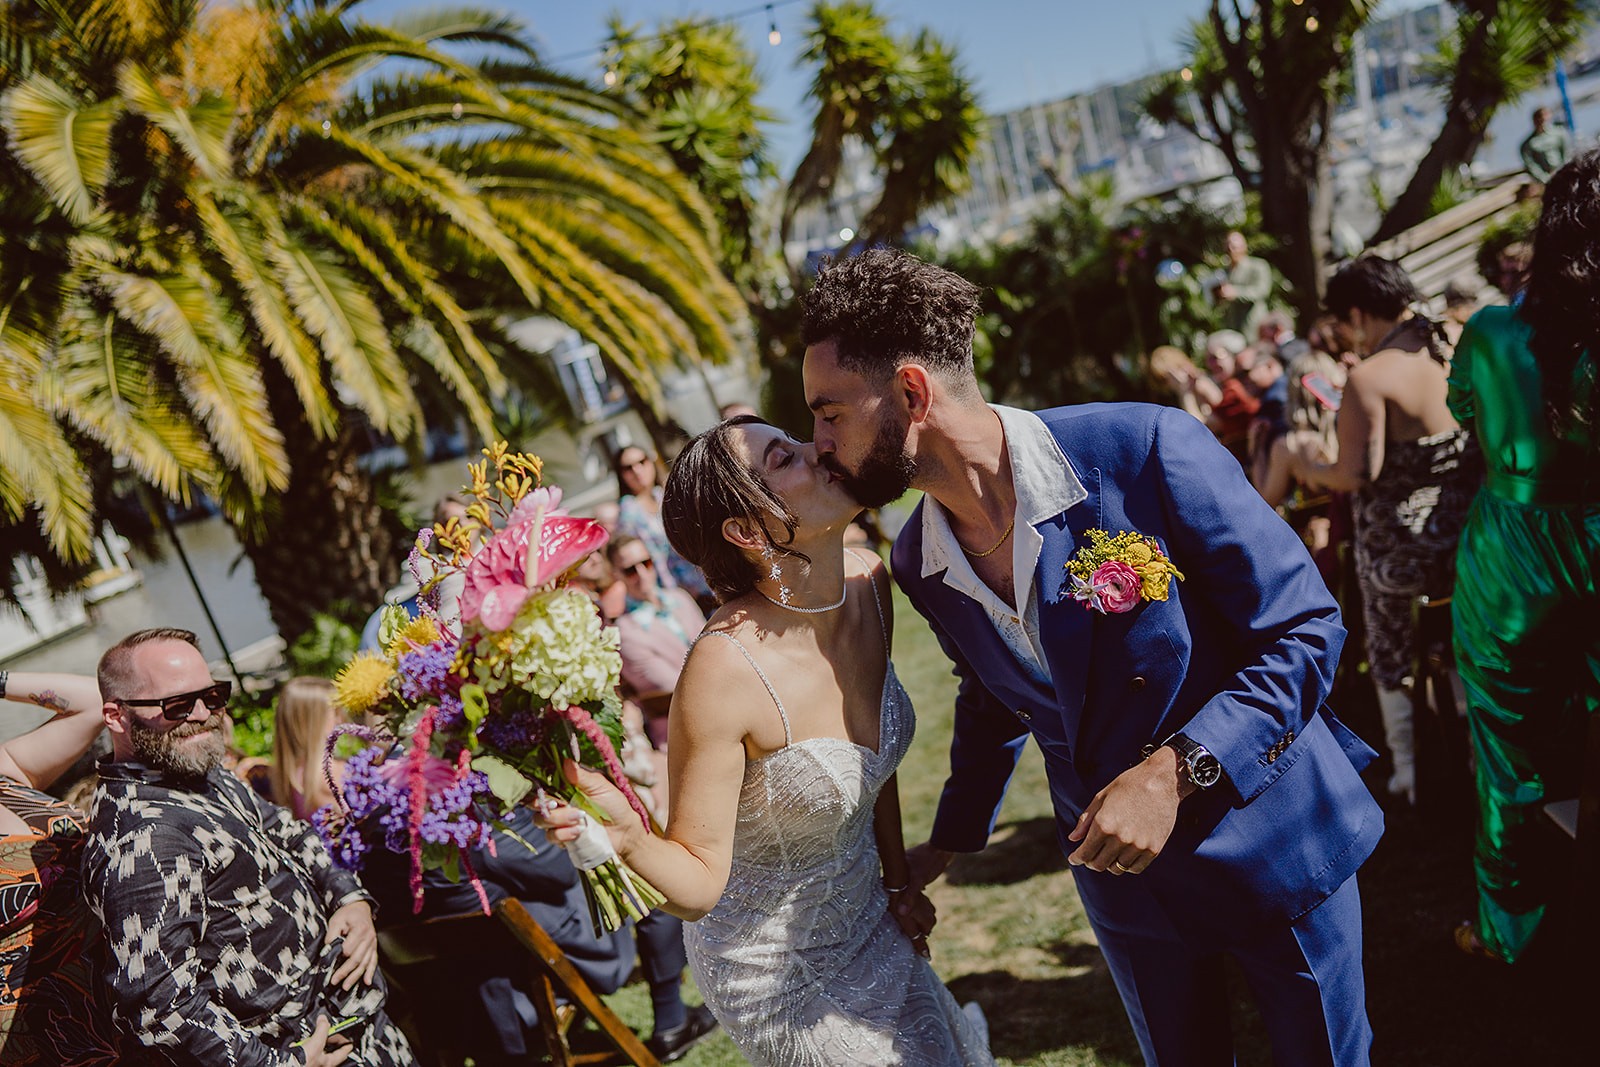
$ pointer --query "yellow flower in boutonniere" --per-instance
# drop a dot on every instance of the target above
(1114, 572)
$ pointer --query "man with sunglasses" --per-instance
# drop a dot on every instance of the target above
(234, 939)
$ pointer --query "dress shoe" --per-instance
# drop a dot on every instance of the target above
(669, 1045)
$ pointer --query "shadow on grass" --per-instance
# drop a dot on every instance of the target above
(1018, 851)
(1028, 1017)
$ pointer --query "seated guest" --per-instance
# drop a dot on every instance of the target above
(595, 577)
(233, 938)
(657, 629)
(53, 1006)
(479, 1000)
(305, 716)
(1230, 403)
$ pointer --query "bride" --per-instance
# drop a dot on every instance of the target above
(784, 849)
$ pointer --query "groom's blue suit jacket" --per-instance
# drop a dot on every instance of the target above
(1240, 658)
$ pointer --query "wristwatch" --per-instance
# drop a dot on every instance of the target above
(1201, 768)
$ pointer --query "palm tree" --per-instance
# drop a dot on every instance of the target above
(1500, 50)
(237, 244)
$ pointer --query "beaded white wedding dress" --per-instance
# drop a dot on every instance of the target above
(800, 960)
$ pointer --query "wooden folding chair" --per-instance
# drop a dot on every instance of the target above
(551, 976)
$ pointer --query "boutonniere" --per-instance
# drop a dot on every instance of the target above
(1113, 573)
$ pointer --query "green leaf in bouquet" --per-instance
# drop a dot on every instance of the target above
(505, 781)
(475, 705)
(437, 856)
(394, 617)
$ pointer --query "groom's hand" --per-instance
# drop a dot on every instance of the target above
(1127, 824)
(925, 864)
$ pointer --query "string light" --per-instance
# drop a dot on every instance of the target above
(1312, 23)
(1186, 74)
(610, 77)
(774, 36)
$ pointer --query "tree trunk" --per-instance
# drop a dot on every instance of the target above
(326, 542)
(1291, 203)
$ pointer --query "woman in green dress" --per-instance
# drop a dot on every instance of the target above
(1527, 646)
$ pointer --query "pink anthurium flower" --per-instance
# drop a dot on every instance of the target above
(503, 573)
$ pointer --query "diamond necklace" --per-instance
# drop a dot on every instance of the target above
(836, 605)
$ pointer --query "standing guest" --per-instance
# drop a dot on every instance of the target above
(1244, 295)
(1314, 384)
(657, 629)
(53, 1006)
(1413, 471)
(1511, 269)
(1209, 801)
(639, 515)
(233, 938)
(479, 999)
(1546, 149)
(305, 716)
(1525, 604)
(1266, 381)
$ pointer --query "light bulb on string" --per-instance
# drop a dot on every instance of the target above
(1312, 24)
(610, 77)
(774, 38)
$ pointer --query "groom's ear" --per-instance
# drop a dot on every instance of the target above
(915, 385)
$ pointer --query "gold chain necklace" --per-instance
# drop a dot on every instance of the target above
(996, 546)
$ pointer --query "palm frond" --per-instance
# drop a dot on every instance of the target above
(232, 227)
(63, 141)
(220, 382)
(200, 129)
(352, 332)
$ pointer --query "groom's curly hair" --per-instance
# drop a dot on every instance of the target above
(884, 308)
(708, 485)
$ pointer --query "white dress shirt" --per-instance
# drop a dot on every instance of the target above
(1046, 485)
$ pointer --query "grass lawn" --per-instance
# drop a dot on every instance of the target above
(1013, 936)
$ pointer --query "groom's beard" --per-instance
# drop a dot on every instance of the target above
(171, 750)
(887, 470)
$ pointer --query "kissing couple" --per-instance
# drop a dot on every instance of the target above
(1104, 579)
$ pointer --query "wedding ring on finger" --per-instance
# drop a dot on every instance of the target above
(1118, 867)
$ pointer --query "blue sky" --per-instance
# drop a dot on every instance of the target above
(1018, 51)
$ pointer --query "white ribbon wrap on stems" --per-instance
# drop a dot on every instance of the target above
(593, 846)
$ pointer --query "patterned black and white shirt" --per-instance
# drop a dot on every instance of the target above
(215, 904)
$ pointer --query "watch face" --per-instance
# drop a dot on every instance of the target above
(1205, 770)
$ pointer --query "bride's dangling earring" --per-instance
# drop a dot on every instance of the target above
(775, 573)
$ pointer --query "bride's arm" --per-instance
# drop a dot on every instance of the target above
(705, 761)
(911, 909)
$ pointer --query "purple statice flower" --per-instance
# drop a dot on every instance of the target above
(341, 837)
(516, 733)
(425, 671)
(451, 716)
(453, 816)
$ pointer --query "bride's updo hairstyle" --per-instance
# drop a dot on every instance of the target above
(709, 484)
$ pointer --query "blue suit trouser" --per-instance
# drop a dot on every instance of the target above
(1306, 978)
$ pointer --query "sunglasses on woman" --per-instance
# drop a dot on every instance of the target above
(180, 706)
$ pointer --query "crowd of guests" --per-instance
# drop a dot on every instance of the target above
(1452, 448)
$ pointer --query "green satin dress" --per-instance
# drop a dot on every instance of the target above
(1525, 608)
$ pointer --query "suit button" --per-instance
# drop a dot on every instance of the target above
(1136, 683)
(1022, 713)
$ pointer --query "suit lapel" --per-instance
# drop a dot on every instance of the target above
(1066, 628)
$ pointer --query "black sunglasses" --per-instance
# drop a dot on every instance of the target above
(181, 706)
(635, 568)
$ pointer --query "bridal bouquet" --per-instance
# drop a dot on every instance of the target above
(475, 716)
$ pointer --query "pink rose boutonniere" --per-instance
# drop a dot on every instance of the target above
(1114, 573)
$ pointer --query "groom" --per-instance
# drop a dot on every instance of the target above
(1208, 801)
